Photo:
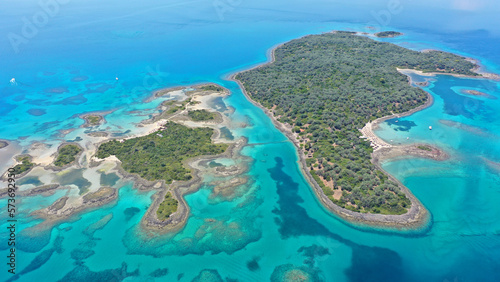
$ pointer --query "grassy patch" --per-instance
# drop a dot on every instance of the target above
(94, 120)
(176, 106)
(212, 87)
(167, 207)
(425, 148)
(201, 115)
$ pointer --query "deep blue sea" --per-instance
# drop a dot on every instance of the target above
(66, 56)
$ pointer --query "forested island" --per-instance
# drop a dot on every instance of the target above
(160, 155)
(327, 87)
(67, 154)
(388, 34)
(25, 165)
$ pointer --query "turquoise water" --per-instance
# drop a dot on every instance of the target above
(275, 224)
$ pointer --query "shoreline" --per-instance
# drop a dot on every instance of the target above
(417, 214)
(179, 189)
(417, 217)
(68, 207)
(476, 69)
(4, 143)
(177, 220)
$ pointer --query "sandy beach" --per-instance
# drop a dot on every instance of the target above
(477, 69)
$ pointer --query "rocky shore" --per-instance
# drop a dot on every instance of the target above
(64, 208)
(3, 144)
(477, 93)
(405, 151)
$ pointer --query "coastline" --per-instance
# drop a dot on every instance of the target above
(417, 216)
(414, 218)
(66, 207)
(179, 190)
(477, 69)
(3, 143)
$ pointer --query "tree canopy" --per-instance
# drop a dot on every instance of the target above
(67, 154)
(160, 155)
(329, 86)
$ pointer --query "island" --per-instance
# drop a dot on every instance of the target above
(169, 152)
(321, 90)
(473, 92)
(388, 34)
(93, 119)
(326, 92)
(67, 154)
(24, 166)
(160, 155)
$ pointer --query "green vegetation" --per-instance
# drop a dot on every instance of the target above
(201, 115)
(93, 120)
(328, 87)
(212, 87)
(175, 106)
(425, 148)
(67, 154)
(160, 155)
(174, 109)
(385, 34)
(24, 166)
(167, 207)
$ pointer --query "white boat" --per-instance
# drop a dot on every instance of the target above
(430, 127)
